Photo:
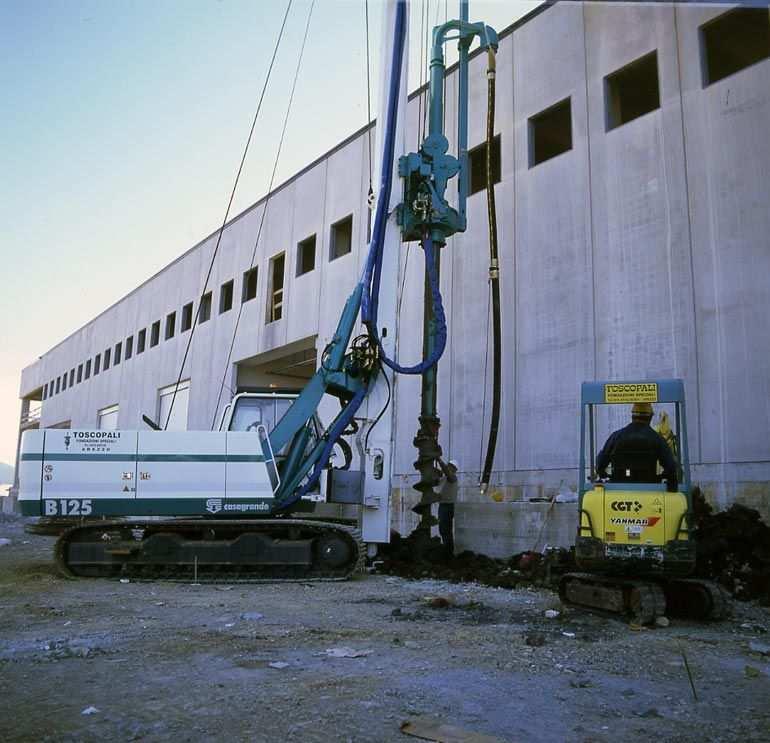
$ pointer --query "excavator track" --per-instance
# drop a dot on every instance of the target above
(645, 600)
(692, 598)
(206, 551)
(642, 601)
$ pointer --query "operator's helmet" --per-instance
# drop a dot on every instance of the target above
(453, 463)
(642, 410)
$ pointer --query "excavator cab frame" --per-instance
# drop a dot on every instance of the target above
(662, 390)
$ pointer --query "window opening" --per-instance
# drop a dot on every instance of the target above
(341, 238)
(733, 41)
(170, 325)
(550, 133)
(107, 418)
(118, 352)
(204, 312)
(141, 340)
(275, 296)
(477, 166)
(187, 317)
(306, 255)
(129, 347)
(80, 373)
(226, 297)
(249, 289)
(155, 333)
(106, 363)
(632, 91)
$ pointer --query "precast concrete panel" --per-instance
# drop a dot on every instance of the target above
(553, 263)
(728, 160)
(642, 275)
(309, 198)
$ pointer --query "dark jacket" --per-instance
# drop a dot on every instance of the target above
(640, 442)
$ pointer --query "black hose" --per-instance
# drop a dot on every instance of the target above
(494, 279)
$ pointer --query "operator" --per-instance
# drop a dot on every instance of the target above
(446, 505)
(639, 438)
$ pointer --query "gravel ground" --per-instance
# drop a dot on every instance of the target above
(174, 662)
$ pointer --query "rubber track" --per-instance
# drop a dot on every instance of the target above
(654, 594)
(353, 534)
(653, 598)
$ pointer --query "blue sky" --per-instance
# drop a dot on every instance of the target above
(121, 130)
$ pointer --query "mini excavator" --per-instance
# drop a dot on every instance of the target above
(221, 504)
(634, 540)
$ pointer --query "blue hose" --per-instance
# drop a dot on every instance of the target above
(373, 270)
(370, 280)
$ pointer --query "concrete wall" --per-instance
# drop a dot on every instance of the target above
(640, 252)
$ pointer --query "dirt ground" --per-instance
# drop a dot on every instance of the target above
(175, 662)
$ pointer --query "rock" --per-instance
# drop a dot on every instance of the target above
(344, 652)
(438, 602)
(661, 622)
(251, 616)
(4, 542)
(759, 647)
(89, 711)
(568, 634)
(551, 613)
(278, 664)
(411, 644)
(535, 640)
(650, 713)
(405, 612)
(581, 684)
(125, 580)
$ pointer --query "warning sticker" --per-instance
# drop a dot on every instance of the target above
(631, 392)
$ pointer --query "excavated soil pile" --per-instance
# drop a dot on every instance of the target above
(733, 549)
(417, 556)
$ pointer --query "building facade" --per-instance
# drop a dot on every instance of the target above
(634, 232)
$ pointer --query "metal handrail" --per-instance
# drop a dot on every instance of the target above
(32, 416)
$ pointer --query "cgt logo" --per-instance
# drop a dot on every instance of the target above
(626, 506)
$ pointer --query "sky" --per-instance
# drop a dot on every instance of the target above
(122, 124)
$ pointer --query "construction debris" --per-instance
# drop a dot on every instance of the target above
(418, 557)
(429, 729)
(733, 549)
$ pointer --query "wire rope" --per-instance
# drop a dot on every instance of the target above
(196, 318)
(267, 202)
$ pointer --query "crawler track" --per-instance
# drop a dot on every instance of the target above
(645, 600)
(198, 550)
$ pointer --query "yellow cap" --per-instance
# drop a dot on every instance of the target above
(641, 409)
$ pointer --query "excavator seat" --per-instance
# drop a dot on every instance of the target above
(634, 465)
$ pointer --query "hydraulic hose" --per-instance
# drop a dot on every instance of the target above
(494, 278)
(371, 275)
(373, 268)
